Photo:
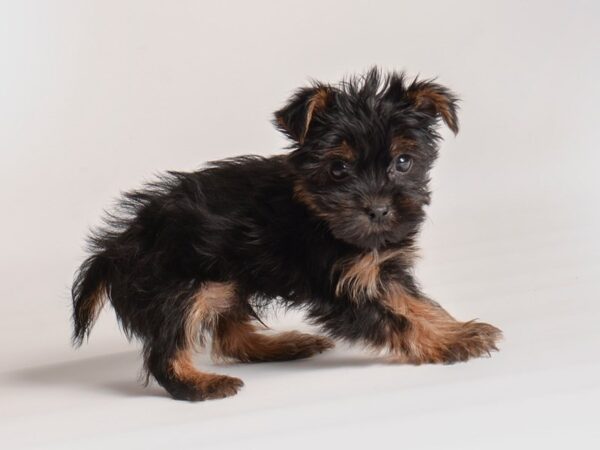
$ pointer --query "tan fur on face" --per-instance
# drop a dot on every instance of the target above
(303, 196)
(344, 152)
(359, 277)
(402, 145)
(302, 193)
(209, 302)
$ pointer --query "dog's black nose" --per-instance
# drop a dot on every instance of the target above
(378, 213)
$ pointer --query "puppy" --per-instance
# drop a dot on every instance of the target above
(329, 227)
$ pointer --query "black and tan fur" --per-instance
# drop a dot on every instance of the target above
(328, 227)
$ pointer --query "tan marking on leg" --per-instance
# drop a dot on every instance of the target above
(237, 338)
(433, 335)
(211, 300)
(205, 385)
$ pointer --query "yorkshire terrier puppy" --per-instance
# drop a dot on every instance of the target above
(329, 227)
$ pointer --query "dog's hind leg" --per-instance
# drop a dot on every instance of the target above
(177, 374)
(236, 337)
(168, 356)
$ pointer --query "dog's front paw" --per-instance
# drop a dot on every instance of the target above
(453, 342)
(470, 340)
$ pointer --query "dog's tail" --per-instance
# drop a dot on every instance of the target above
(89, 293)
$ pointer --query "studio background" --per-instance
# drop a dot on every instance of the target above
(98, 96)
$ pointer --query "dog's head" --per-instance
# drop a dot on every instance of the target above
(362, 153)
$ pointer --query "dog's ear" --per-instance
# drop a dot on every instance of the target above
(294, 119)
(426, 97)
(435, 100)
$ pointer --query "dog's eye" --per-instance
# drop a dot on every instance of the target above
(338, 169)
(404, 163)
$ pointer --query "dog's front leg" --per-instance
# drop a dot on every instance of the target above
(411, 327)
(432, 335)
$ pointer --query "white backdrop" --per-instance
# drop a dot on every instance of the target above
(97, 96)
